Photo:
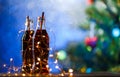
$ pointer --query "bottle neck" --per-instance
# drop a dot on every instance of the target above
(28, 24)
(43, 24)
(27, 28)
(31, 25)
(40, 24)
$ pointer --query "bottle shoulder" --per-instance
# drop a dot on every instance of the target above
(28, 34)
(39, 32)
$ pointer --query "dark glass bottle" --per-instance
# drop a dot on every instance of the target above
(41, 47)
(27, 51)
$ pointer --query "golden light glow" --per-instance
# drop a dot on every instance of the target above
(83, 69)
(38, 59)
(38, 42)
(30, 74)
(71, 74)
(31, 69)
(30, 65)
(23, 74)
(47, 66)
(37, 75)
(37, 46)
(37, 68)
(62, 74)
(23, 70)
(70, 70)
(37, 63)
(43, 36)
(16, 74)
(29, 48)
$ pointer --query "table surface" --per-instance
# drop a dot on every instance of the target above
(96, 74)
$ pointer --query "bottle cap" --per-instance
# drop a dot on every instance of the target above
(27, 23)
(39, 18)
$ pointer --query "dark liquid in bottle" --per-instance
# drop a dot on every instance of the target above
(41, 49)
(27, 51)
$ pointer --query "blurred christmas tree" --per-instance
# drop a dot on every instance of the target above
(101, 49)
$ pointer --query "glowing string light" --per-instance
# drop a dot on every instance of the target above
(70, 70)
(50, 69)
(47, 66)
(23, 74)
(56, 67)
(11, 59)
(4, 65)
(71, 74)
(9, 72)
(51, 55)
(61, 74)
(38, 59)
(16, 74)
(38, 42)
(56, 61)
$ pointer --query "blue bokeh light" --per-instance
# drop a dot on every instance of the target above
(116, 32)
(88, 70)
